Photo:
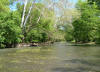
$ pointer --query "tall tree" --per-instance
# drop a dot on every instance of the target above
(85, 27)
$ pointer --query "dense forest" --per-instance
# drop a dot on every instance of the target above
(38, 21)
(39, 26)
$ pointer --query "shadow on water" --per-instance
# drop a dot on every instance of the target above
(82, 62)
(78, 65)
(79, 69)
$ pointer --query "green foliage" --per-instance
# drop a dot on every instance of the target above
(69, 33)
(10, 32)
(85, 27)
(4, 5)
(40, 25)
(95, 1)
(36, 36)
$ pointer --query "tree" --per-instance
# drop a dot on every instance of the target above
(96, 1)
(40, 23)
(10, 32)
(85, 27)
(4, 6)
(91, 2)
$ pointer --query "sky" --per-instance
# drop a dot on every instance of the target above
(13, 7)
(75, 1)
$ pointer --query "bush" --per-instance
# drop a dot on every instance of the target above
(10, 32)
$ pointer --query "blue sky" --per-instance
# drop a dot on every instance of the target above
(13, 7)
(74, 1)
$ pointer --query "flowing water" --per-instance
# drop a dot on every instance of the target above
(58, 57)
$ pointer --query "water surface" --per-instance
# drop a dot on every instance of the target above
(58, 57)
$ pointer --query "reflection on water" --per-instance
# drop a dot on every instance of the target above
(56, 58)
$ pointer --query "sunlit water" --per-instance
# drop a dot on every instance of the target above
(58, 57)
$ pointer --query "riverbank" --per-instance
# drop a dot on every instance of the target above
(49, 43)
(33, 44)
(21, 45)
(83, 44)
